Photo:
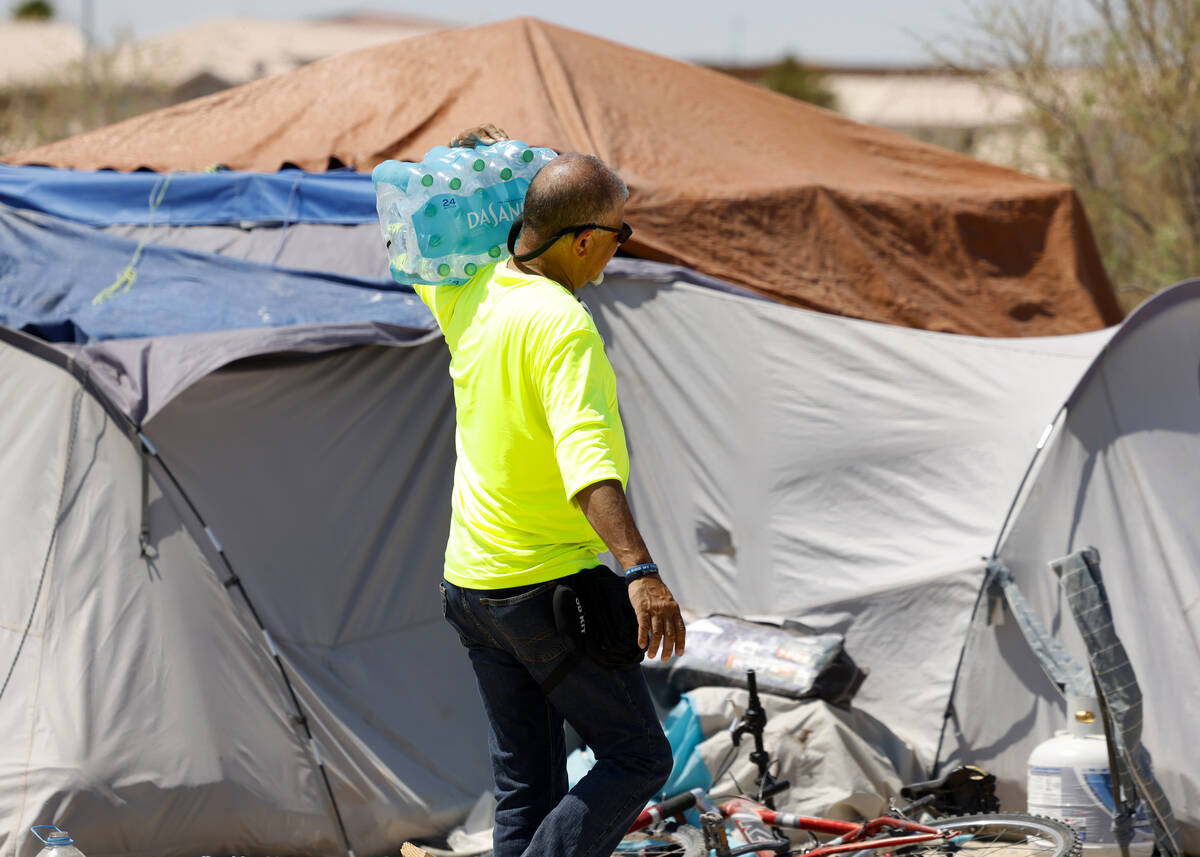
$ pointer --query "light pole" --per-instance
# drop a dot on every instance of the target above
(88, 42)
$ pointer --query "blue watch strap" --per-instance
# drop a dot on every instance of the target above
(637, 572)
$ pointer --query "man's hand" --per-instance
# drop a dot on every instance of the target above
(659, 619)
(472, 137)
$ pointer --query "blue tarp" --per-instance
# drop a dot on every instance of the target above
(107, 198)
(70, 283)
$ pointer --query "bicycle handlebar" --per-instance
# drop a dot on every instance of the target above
(680, 803)
(753, 722)
(677, 804)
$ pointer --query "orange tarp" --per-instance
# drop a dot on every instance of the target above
(787, 199)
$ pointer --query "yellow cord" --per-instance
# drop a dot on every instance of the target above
(128, 276)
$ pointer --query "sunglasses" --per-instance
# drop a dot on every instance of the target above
(623, 233)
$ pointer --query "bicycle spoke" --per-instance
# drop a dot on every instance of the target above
(1011, 835)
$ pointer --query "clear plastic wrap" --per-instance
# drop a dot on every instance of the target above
(788, 661)
(449, 215)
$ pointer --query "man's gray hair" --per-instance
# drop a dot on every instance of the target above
(571, 190)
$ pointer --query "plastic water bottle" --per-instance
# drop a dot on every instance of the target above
(57, 842)
(449, 215)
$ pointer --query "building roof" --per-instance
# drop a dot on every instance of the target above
(239, 50)
(944, 100)
(37, 52)
(387, 19)
(729, 179)
(910, 96)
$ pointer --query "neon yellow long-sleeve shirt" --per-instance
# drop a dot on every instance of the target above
(537, 421)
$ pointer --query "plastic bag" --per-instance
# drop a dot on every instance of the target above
(788, 661)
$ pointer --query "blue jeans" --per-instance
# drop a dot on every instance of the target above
(513, 646)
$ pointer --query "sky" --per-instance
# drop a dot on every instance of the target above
(866, 32)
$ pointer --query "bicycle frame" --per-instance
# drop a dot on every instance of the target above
(849, 836)
(754, 821)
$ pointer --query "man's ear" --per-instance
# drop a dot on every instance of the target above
(583, 243)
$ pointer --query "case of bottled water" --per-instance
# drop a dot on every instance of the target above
(449, 215)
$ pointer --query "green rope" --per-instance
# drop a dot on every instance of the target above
(125, 280)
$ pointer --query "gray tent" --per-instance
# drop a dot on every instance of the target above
(1121, 472)
(296, 503)
(146, 711)
(221, 546)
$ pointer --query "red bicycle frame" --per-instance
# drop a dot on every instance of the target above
(848, 835)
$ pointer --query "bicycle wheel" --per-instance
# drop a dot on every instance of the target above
(999, 835)
(684, 841)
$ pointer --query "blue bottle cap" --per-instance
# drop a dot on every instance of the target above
(57, 837)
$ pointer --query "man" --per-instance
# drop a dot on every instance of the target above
(538, 493)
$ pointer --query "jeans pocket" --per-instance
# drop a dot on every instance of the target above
(450, 619)
(531, 593)
(526, 622)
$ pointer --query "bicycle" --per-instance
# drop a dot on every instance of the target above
(660, 830)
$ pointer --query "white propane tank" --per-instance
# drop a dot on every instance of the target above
(1069, 780)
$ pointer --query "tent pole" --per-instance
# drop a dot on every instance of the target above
(962, 653)
(231, 582)
(38, 348)
(1028, 470)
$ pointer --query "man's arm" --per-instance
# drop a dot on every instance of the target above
(659, 619)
